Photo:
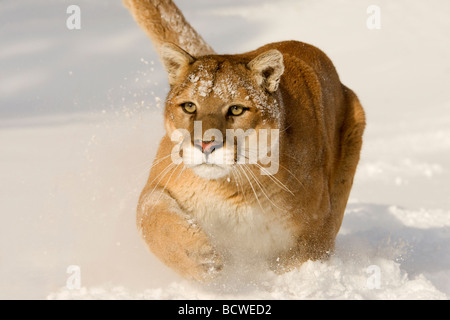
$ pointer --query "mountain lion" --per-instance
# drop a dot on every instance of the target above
(200, 216)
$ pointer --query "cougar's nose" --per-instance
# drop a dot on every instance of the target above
(208, 147)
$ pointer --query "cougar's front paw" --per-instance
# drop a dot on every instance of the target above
(207, 263)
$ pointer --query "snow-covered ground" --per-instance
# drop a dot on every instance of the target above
(80, 120)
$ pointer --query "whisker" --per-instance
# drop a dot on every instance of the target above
(167, 182)
(287, 170)
(235, 180)
(157, 161)
(285, 128)
(251, 185)
(261, 187)
(182, 170)
(240, 182)
(163, 173)
(275, 180)
(154, 162)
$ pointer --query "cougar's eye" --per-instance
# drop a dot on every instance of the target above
(236, 110)
(189, 107)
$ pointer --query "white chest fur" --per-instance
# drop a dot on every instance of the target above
(241, 232)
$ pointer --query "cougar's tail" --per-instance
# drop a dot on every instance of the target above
(164, 22)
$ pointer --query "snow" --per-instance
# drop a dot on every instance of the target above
(81, 118)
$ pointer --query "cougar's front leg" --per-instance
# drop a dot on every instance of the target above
(175, 238)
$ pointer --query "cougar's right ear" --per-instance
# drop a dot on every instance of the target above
(175, 60)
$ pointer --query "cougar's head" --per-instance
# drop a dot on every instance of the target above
(222, 111)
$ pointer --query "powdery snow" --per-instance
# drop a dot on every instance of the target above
(80, 121)
(376, 262)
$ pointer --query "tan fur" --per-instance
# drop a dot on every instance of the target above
(197, 225)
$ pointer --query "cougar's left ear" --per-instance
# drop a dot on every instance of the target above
(267, 68)
(175, 60)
